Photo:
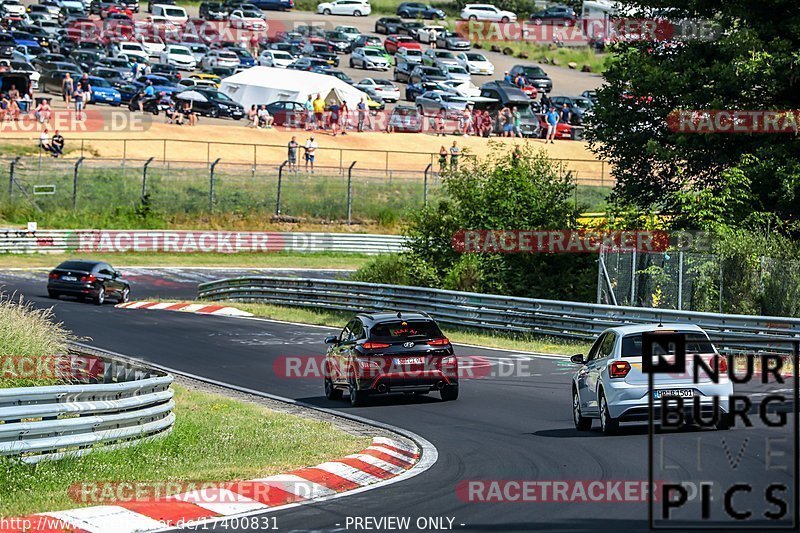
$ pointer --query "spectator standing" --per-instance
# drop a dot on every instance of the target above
(487, 124)
(545, 103)
(311, 151)
(516, 122)
(78, 98)
(292, 154)
(505, 120)
(454, 153)
(67, 88)
(433, 36)
(552, 123)
(57, 144)
(439, 123)
(362, 113)
(507, 78)
(86, 87)
(565, 113)
(319, 111)
(309, 113)
(442, 159)
(345, 120)
(334, 117)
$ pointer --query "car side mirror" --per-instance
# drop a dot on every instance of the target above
(333, 339)
(577, 359)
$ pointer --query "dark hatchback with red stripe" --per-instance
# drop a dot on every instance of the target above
(383, 353)
(93, 280)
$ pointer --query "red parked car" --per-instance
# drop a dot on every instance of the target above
(563, 130)
(395, 42)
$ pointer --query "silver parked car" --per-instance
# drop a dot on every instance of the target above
(368, 58)
(611, 386)
(439, 58)
(432, 103)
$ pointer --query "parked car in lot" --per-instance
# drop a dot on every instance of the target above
(178, 56)
(393, 43)
(406, 119)
(383, 353)
(340, 41)
(534, 75)
(355, 8)
(413, 90)
(366, 40)
(487, 12)
(439, 58)
(383, 88)
(555, 15)
(287, 113)
(321, 51)
(275, 58)
(432, 103)
(452, 40)
(92, 280)
(496, 95)
(220, 58)
(410, 28)
(273, 5)
(611, 386)
(309, 63)
(212, 11)
(580, 108)
(387, 25)
(591, 95)
(408, 55)
(103, 92)
(351, 32)
(464, 88)
(425, 33)
(422, 73)
(212, 104)
(456, 72)
(247, 19)
(475, 63)
(368, 58)
(412, 10)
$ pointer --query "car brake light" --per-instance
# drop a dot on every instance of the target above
(722, 363)
(53, 275)
(88, 279)
(375, 345)
(620, 369)
(444, 341)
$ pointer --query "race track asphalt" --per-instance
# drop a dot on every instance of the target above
(515, 427)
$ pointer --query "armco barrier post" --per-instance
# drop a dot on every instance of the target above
(425, 186)
(75, 182)
(211, 185)
(350, 191)
(11, 176)
(144, 177)
(280, 180)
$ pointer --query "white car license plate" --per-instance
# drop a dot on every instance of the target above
(681, 393)
(69, 278)
(409, 360)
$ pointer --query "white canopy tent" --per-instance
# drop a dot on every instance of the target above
(264, 85)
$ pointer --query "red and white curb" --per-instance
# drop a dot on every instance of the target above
(384, 460)
(185, 307)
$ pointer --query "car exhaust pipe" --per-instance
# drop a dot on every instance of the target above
(382, 388)
(440, 385)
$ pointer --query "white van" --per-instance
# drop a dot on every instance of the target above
(175, 14)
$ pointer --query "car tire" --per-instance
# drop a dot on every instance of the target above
(725, 422)
(449, 393)
(331, 392)
(404, 15)
(101, 297)
(326, 12)
(53, 295)
(420, 111)
(581, 422)
(357, 397)
(214, 113)
(125, 296)
(473, 18)
(504, 20)
(356, 13)
(608, 424)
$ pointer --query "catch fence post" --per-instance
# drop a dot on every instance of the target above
(350, 192)
(425, 186)
(144, 177)
(11, 176)
(75, 182)
(211, 185)
(280, 181)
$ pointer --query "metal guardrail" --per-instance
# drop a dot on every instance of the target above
(487, 312)
(118, 404)
(113, 241)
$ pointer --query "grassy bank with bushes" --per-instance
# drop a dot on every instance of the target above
(548, 54)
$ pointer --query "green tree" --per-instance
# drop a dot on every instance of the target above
(751, 63)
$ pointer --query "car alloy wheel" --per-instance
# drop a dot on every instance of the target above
(125, 296)
(357, 397)
(101, 296)
(356, 13)
(581, 423)
(331, 392)
(326, 12)
(608, 424)
(504, 20)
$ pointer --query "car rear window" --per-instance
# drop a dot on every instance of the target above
(632, 345)
(397, 330)
(76, 265)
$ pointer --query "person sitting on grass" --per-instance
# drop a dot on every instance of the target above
(252, 116)
(188, 114)
(172, 114)
(57, 144)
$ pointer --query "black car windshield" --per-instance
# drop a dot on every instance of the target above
(397, 330)
(532, 71)
(85, 266)
(632, 345)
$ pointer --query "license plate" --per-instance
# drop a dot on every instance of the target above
(69, 278)
(681, 393)
(409, 360)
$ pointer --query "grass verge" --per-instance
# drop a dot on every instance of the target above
(545, 54)
(215, 439)
(328, 260)
(529, 343)
(27, 332)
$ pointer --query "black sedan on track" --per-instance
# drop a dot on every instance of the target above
(382, 353)
(93, 280)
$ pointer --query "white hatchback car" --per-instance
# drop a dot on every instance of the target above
(275, 58)
(611, 386)
(475, 63)
(178, 56)
(487, 12)
(354, 8)
(383, 88)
